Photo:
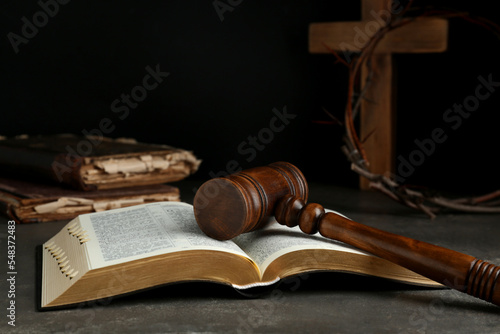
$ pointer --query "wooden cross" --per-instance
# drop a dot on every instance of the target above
(377, 109)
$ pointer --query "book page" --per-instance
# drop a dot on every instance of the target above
(275, 240)
(136, 232)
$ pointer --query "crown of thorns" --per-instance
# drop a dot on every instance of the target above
(387, 183)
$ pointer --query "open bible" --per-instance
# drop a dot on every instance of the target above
(104, 254)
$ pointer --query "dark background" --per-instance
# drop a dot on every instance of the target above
(226, 77)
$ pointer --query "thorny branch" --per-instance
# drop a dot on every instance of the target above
(420, 200)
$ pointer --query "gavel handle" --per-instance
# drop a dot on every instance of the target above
(456, 270)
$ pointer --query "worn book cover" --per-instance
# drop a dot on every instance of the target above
(31, 202)
(91, 163)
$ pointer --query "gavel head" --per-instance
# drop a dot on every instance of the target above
(227, 206)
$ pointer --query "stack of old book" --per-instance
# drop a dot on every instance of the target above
(46, 178)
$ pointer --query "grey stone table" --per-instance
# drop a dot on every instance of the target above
(319, 303)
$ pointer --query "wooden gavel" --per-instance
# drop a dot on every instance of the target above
(228, 206)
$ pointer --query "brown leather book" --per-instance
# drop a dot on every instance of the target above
(31, 202)
(91, 163)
